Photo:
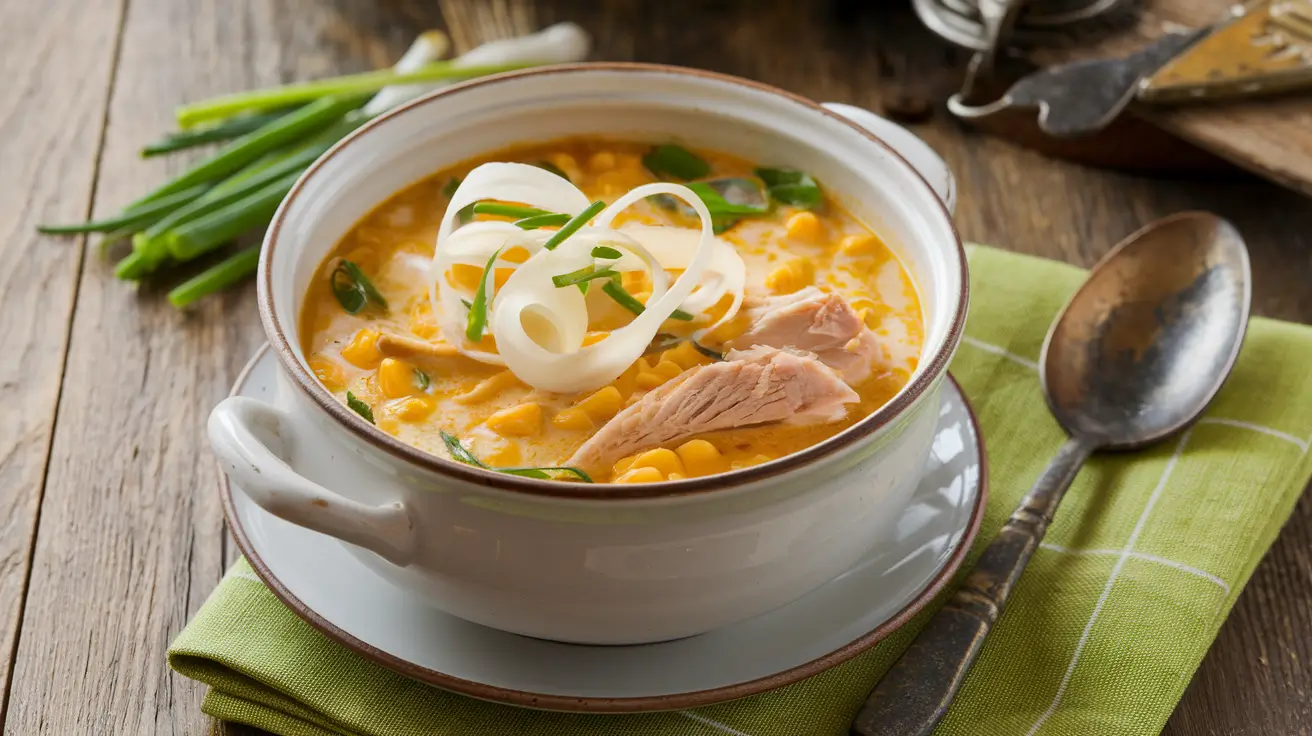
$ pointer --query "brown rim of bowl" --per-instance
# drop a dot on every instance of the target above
(605, 492)
(651, 703)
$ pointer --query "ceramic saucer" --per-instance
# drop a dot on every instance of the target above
(327, 587)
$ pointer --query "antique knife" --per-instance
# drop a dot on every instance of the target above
(1264, 48)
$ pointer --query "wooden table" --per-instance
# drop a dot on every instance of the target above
(111, 534)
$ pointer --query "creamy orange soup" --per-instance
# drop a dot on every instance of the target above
(412, 385)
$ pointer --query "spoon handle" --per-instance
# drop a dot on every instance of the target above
(916, 692)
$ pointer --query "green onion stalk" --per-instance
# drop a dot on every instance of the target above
(269, 138)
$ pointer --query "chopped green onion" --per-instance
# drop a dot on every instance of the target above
(603, 251)
(222, 131)
(476, 320)
(668, 341)
(133, 218)
(712, 354)
(548, 166)
(582, 276)
(791, 186)
(450, 187)
(575, 222)
(727, 200)
(353, 290)
(242, 151)
(715, 195)
(545, 472)
(216, 278)
(458, 451)
(551, 219)
(462, 455)
(226, 223)
(422, 380)
(360, 407)
(351, 84)
(507, 210)
(616, 291)
(675, 161)
(724, 222)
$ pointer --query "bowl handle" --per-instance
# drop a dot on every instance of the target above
(917, 152)
(241, 430)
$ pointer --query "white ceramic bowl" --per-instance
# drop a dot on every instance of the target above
(604, 564)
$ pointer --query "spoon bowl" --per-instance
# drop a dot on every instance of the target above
(1137, 354)
(1146, 343)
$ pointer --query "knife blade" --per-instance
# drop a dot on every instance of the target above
(1266, 49)
(1083, 97)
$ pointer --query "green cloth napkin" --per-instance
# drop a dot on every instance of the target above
(1102, 635)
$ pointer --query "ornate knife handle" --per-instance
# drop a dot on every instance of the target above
(916, 692)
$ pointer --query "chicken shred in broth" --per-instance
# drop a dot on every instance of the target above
(830, 327)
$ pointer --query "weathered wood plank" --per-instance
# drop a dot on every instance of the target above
(50, 137)
(1271, 136)
(135, 540)
(129, 544)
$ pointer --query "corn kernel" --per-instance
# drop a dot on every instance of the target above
(667, 368)
(626, 382)
(424, 330)
(603, 404)
(389, 425)
(573, 418)
(756, 460)
(500, 276)
(660, 458)
(601, 161)
(328, 373)
(648, 381)
(503, 455)
(562, 160)
(635, 281)
(362, 351)
(523, 420)
(804, 226)
(412, 408)
(623, 465)
(641, 475)
(683, 355)
(676, 476)
(422, 323)
(397, 378)
(517, 254)
(700, 458)
(794, 275)
(487, 388)
(592, 338)
(565, 163)
(465, 276)
(858, 245)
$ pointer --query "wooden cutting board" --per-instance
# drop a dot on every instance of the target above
(1271, 137)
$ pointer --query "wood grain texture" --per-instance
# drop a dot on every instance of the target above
(48, 172)
(129, 542)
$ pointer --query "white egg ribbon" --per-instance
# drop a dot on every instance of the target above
(539, 328)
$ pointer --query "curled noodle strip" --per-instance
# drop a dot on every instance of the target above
(539, 327)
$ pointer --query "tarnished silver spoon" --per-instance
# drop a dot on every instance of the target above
(1135, 356)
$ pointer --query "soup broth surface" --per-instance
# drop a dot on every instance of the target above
(417, 399)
